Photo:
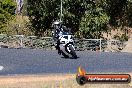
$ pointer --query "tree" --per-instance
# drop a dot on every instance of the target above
(89, 17)
(116, 11)
(7, 12)
(94, 21)
(73, 13)
(42, 13)
(129, 13)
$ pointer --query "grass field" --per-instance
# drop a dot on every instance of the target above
(50, 81)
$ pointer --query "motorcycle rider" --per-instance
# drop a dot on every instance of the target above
(59, 29)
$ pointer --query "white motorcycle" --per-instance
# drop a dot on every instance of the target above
(67, 45)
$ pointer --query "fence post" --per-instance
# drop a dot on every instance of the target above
(100, 45)
(21, 39)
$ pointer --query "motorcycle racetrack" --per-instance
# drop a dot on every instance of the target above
(30, 61)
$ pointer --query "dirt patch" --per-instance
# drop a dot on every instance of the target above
(33, 78)
(128, 47)
(50, 81)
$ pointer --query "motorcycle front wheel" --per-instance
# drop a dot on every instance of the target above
(72, 52)
(66, 56)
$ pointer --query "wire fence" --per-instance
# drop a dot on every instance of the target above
(47, 43)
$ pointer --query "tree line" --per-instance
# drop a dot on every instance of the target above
(7, 13)
(86, 18)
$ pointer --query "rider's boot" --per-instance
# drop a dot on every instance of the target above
(59, 51)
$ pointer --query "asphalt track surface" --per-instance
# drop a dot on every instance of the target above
(29, 61)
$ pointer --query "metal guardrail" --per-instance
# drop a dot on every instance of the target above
(89, 44)
(33, 42)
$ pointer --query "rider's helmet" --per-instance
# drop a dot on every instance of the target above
(57, 24)
(56, 28)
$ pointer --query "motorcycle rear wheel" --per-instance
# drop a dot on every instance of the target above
(73, 53)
